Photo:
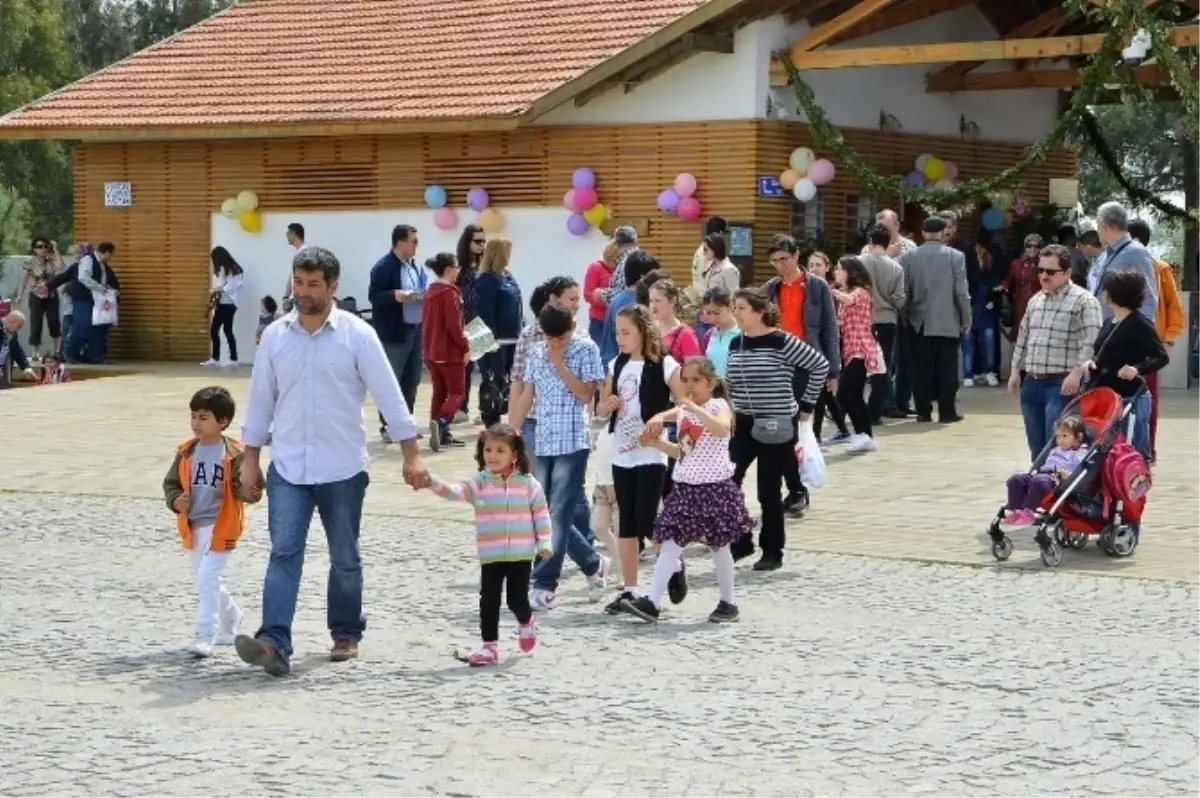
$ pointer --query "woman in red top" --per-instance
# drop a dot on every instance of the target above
(444, 348)
(1022, 281)
(860, 352)
(595, 280)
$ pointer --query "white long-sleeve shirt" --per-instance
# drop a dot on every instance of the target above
(230, 287)
(311, 389)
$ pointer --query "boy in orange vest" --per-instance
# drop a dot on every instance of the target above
(203, 489)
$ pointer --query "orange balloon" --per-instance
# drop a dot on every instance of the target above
(789, 179)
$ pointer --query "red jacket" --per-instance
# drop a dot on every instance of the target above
(442, 337)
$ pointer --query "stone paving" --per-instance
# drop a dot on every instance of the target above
(898, 673)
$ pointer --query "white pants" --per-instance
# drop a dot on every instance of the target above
(213, 602)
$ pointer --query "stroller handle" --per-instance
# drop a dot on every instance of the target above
(1090, 380)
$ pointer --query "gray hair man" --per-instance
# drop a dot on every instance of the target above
(1122, 251)
(10, 349)
(897, 244)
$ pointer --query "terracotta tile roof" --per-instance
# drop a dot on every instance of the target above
(277, 62)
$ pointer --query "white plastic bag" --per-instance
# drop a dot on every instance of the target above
(808, 454)
(104, 308)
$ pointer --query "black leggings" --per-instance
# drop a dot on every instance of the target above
(43, 310)
(639, 490)
(492, 579)
(851, 388)
(222, 317)
(774, 461)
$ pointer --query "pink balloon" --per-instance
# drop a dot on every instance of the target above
(445, 218)
(689, 209)
(685, 185)
(951, 170)
(570, 203)
(585, 198)
(821, 171)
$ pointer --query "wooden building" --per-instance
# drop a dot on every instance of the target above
(342, 113)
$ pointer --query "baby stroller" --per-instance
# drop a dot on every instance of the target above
(1104, 497)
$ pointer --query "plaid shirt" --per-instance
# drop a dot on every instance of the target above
(858, 336)
(529, 339)
(562, 419)
(1057, 331)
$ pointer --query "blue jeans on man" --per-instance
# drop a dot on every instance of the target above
(583, 509)
(1042, 402)
(562, 478)
(1140, 439)
(79, 343)
(902, 387)
(405, 359)
(979, 349)
(289, 515)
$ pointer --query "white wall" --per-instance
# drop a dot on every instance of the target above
(542, 248)
(854, 97)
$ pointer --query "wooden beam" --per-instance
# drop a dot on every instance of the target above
(807, 10)
(897, 16)
(843, 22)
(1041, 25)
(709, 43)
(996, 50)
(1037, 79)
(664, 59)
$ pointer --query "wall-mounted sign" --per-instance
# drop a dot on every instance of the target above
(118, 195)
(1064, 192)
(770, 187)
(641, 226)
(741, 241)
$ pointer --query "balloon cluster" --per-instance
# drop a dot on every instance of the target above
(805, 172)
(445, 218)
(680, 198)
(244, 208)
(932, 172)
(1005, 207)
(583, 203)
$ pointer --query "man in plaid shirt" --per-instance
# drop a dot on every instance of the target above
(1056, 335)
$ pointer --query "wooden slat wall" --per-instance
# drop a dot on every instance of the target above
(163, 240)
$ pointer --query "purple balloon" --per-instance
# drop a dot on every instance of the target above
(583, 178)
(477, 198)
(577, 225)
(668, 201)
(915, 178)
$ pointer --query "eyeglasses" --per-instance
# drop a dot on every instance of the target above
(1049, 271)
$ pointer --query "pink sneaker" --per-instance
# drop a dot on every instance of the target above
(1028, 517)
(528, 636)
(488, 654)
(1012, 518)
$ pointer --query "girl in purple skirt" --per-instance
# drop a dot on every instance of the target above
(705, 506)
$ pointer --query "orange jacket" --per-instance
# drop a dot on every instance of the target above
(231, 517)
(1168, 319)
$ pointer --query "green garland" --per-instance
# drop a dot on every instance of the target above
(1139, 194)
(1119, 18)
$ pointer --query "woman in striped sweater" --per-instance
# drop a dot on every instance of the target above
(512, 526)
(762, 361)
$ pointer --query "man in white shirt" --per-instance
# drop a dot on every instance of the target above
(311, 376)
(295, 239)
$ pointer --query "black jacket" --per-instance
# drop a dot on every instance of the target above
(77, 290)
(10, 352)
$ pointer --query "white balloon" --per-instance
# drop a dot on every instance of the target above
(805, 189)
(943, 185)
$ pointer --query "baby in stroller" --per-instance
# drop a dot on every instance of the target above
(1026, 491)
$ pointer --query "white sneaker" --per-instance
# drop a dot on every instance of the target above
(230, 627)
(992, 380)
(461, 418)
(202, 647)
(598, 582)
(228, 364)
(541, 599)
(861, 444)
(210, 364)
(969, 382)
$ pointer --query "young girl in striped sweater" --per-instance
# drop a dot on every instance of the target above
(512, 526)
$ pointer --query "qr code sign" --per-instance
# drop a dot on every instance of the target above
(118, 195)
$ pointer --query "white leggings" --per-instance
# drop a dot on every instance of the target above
(213, 602)
(669, 562)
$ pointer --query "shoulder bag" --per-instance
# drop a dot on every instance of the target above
(770, 430)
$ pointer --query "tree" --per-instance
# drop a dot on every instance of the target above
(14, 223)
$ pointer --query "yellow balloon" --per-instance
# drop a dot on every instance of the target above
(596, 215)
(247, 201)
(491, 220)
(229, 208)
(789, 179)
(935, 169)
(251, 221)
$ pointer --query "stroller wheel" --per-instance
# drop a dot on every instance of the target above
(1123, 543)
(1052, 555)
(1076, 540)
(1002, 549)
(1059, 534)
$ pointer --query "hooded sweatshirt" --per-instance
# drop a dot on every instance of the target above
(442, 337)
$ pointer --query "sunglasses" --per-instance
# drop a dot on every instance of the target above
(1049, 271)
(39, 246)
(479, 241)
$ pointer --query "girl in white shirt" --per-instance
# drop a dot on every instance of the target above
(227, 289)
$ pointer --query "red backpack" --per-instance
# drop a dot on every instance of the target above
(1126, 474)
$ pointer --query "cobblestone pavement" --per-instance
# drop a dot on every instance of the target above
(848, 675)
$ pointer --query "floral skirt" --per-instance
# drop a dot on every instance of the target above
(713, 514)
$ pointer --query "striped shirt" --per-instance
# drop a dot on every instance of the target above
(760, 372)
(1056, 332)
(512, 519)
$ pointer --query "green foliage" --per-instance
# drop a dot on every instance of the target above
(1147, 141)
(14, 223)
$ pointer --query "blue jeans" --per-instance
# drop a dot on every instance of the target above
(405, 359)
(1141, 424)
(562, 477)
(289, 515)
(466, 402)
(979, 343)
(81, 331)
(596, 330)
(902, 395)
(1042, 402)
(583, 509)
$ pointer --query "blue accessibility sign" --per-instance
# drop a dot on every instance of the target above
(770, 187)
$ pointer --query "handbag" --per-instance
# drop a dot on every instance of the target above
(104, 308)
(770, 430)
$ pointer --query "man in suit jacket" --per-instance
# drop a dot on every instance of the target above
(938, 312)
